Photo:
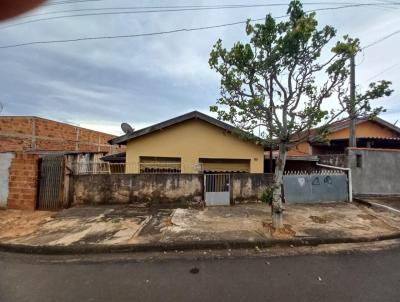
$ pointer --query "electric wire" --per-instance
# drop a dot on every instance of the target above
(176, 31)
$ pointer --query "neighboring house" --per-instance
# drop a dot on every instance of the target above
(35, 154)
(190, 143)
(373, 133)
(370, 133)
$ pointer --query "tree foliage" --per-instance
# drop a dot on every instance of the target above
(362, 107)
(279, 80)
(271, 81)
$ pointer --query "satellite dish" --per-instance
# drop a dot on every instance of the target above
(127, 128)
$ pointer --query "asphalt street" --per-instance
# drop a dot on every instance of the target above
(345, 276)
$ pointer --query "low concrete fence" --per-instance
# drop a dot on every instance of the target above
(135, 188)
(249, 187)
(164, 189)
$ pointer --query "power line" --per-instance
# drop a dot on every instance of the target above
(66, 2)
(53, 3)
(383, 71)
(388, 4)
(127, 11)
(363, 58)
(180, 7)
(168, 31)
(128, 36)
(382, 39)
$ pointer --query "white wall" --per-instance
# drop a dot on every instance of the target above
(5, 162)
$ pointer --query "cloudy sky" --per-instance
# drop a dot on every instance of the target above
(100, 83)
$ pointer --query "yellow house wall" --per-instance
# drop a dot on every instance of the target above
(366, 129)
(190, 141)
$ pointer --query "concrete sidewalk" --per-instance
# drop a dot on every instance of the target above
(117, 228)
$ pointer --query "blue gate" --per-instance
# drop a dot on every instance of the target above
(323, 186)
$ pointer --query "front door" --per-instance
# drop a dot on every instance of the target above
(217, 189)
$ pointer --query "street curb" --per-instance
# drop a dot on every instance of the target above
(180, 246)
(363, 202)
(377, 205)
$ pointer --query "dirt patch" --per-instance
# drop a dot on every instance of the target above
(286, 232)
(325, 218)
(366, 216)
(318, 219)
(159, 220)
(17, 223)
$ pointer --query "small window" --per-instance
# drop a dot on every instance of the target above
(358, 160)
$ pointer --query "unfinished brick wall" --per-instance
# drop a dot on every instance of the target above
(37, 134)
(23, 177)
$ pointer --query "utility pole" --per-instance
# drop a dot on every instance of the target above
(271, 87)
(352, 113)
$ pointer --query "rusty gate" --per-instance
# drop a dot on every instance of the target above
(51, 182)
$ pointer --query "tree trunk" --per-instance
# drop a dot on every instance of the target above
(277, 207)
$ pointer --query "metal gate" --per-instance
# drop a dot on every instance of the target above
(51, 182)
(217, 189)
(323, 186)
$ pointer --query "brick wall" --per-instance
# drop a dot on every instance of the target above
(23, 177)
(38, 134)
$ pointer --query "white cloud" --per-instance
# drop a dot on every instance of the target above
(148, 79)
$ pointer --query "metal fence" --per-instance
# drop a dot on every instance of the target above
(122, 168)
(51, 183)
(318, 186)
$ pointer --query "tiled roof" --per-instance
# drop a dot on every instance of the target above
(343, 124)
(371, 138)
(179, 119)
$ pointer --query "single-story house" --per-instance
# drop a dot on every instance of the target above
(191, 143)
(370, 133)
(374, 133)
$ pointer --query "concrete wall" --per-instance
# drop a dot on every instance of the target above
(5, 163)
(337, 160)
(172, 189)
(190, 141)
(379, 172)
(249, 187)
(166, 189)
